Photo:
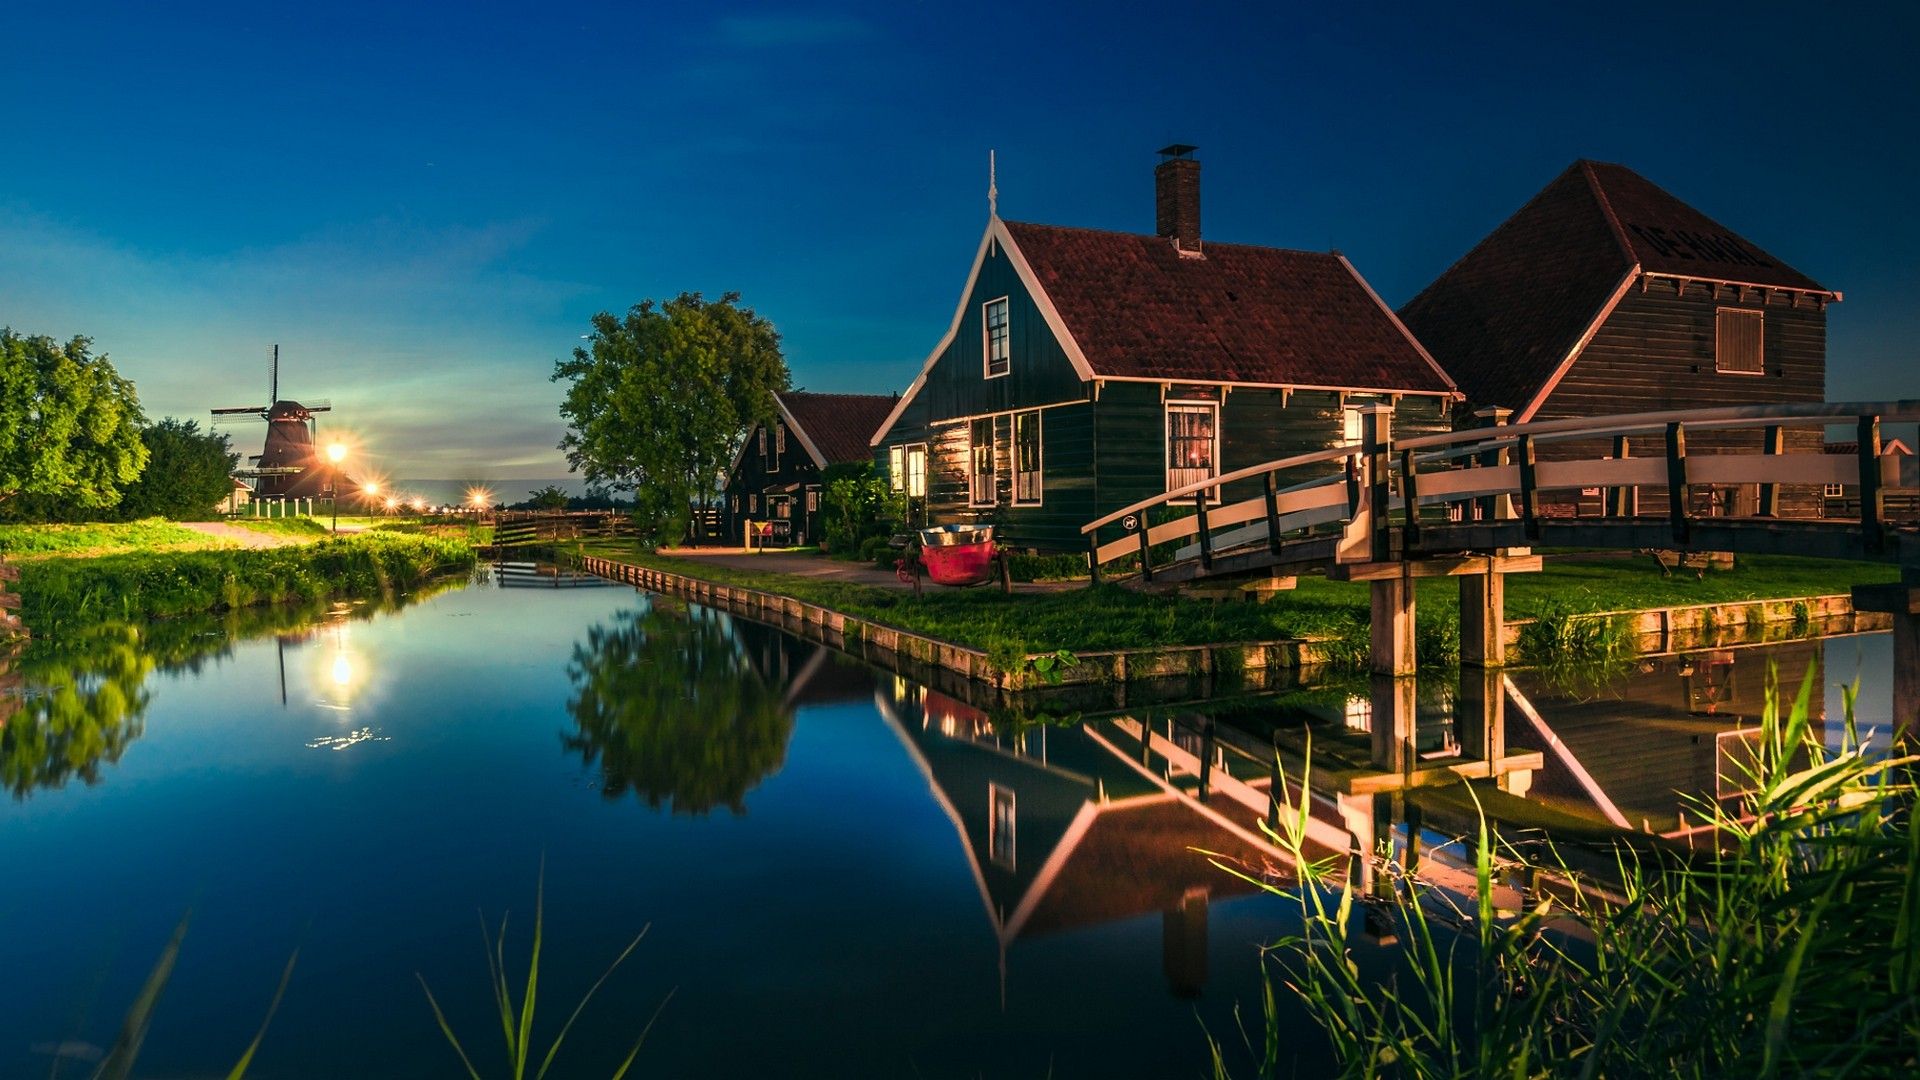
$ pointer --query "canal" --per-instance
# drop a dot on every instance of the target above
(844, 873)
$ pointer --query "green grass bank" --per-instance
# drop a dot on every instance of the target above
(1334, 613)
(65, 592)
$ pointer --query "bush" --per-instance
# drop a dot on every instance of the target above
(877, 551)
(1057, 566)
(858, 505)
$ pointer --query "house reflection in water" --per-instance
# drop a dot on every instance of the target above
(1074, 826)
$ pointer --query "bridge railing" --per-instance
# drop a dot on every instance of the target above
(1496, 472)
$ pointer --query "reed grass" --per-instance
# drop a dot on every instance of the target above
(1784, 942)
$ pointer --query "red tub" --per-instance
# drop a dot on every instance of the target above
(958, 554)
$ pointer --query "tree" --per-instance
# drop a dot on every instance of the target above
(69, 424)
(547, 498)
(188, 472)
(660, 400)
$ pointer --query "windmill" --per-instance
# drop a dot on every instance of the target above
(288, 466)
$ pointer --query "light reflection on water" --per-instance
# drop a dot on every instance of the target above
(847, 873)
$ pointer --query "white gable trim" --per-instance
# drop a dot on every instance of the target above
(1400, 326)
(1553, 381)
(996, 234)
(819, 459)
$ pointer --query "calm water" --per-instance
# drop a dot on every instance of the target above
(844, 874)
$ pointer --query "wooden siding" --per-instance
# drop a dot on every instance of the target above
(1656, 351)
(756, 476)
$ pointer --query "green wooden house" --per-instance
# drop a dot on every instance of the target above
(1086, 370)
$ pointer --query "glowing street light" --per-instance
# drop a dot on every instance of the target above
(336, 452)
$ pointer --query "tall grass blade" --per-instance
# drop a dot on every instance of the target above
(118, 1063)
(246, 1059)
(547, 1062)
(621, 1072)
(447, 1029)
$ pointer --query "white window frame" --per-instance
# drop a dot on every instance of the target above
(1833, 491)
(813, 500)
(997, 833)
(736, 504)
(1039, 461)
(986, 338)
(779, 446)
(897, 467)
(1172, 406)
(992, 476)
(753, 504)
(1760, 317)
(925, 463)
(1353, 426)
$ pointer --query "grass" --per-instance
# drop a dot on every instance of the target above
(304, 528)
(1784, 943)
(59, 594)
(29, 542)
(1335, 612)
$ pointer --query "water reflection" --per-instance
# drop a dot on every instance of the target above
(678, 707)
(70, 706)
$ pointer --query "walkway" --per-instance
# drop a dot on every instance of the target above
(241, 537)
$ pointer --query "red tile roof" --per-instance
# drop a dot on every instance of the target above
(1138, 308)
(838, 425)
(1506, 316)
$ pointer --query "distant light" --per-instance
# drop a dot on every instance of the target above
(336, 452)
(479, 497)
(393, 504)
(371, 487)
(419, 505)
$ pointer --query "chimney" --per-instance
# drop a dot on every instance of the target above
(1176, 198)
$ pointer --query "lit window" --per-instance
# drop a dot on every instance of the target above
(1026, 458)
(981, 479)
(1192, 441)
(1000, 826)
(753, 504)
(1833, 491)
(896, 467)
(1351, 429)
(995, 326)
(813, 500)
(917, 471)
(779, 438)
(762, 433)
(1738, 346)
(736, 504)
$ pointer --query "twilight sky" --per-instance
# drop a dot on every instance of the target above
(424, 208)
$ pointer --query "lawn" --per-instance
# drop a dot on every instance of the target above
(27, 542)
(1111, 617)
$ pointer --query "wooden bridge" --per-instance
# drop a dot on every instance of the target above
(1473, 504)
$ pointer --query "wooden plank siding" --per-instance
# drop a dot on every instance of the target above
(1656, 351)
(756, 474)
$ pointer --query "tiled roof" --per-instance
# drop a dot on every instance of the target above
(1506, 316)
(1138, 308)
(838, 425)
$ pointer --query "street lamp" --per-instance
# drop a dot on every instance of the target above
(336, 453)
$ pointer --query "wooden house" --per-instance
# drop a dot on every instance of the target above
(1605, 294)
(781, 469)
(1843, 500)
(1086, 370)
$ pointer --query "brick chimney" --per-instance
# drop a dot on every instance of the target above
(1176, 197)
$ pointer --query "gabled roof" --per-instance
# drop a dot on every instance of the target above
(834, 428)
(1510, 316)
(1141, 309)
(1130, 307)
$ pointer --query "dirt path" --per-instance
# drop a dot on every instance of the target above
(240, 537)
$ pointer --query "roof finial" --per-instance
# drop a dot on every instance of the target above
(993, 189)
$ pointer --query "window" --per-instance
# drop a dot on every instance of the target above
(994, 326)
(981, 477)
(1833, 491)
(1000, 822)
(753, 504)
(762, 434)
(813, 500)
(1192, 444)
(1026, 458)
(1738, 347)
(779, 447)
(736, 504)
(897, 467)
(1352, 429)
(917, 471)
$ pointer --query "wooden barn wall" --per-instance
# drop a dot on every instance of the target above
(1656, 352)
(754, 477)
(1040, 373)
(1066, 479)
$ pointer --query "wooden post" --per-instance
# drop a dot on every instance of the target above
(1773, 442)
(1206, 534)
(1395, 707)
(1483, 603)
(1376, 443)
(1677, 482)
(1146, 562)
(1410, 499)
(1493, 507)
(1623, 501)
(1872, 500)
(1480, 715)
(1273, 515)
(1529, 501)
(1906, 680)
(1392, 647)
(1093, 557)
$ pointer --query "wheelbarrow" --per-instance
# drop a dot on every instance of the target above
(957, 556)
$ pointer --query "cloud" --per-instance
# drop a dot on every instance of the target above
(781, 31)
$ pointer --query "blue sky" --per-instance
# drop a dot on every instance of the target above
(424, 207)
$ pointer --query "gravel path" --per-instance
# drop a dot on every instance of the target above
(240, 537)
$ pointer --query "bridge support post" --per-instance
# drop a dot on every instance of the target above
(1392, 648)
(1483, 618)
(1901, 602)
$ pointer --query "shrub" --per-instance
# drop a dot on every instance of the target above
(857, 505)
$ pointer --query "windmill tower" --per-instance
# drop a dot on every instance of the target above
(289, 465)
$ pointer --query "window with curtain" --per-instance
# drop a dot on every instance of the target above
(917, 471)
(1192, 444)
(897, 467)
(998, 348)
(981, 487)
(1026, 458)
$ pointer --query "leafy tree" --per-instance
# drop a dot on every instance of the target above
(547, 498)
(69, 423)
(660, 400)
(858, 504)
(673, 710)
(188, 472)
